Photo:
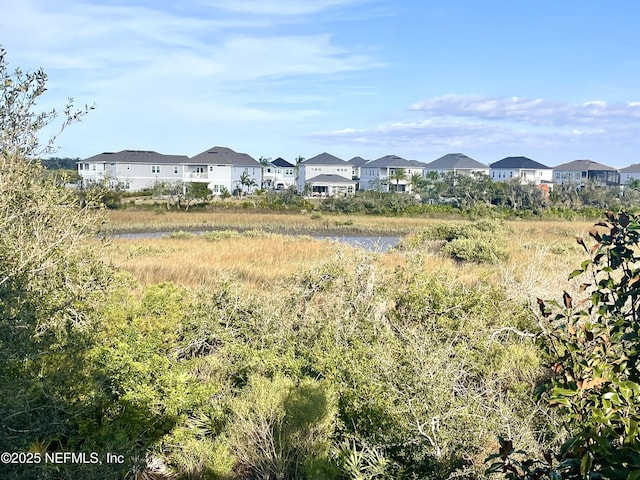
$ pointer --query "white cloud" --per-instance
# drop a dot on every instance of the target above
(279, 7)
(533, 112)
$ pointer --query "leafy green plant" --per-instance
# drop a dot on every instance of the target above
(280, 425)
(480, 241)
(594, 349)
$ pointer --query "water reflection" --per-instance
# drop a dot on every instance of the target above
(372, 243)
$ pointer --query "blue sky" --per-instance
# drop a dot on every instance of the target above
(552, 80)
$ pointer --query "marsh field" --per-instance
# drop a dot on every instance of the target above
(287, 356)
(265, 249)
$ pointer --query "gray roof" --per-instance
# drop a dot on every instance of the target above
(357, 161)
(137, 156)
(417, 163)
(632, 168)
(323, 159)
(582, 166)
(330, 178)
(519, 162)
(455, 160)
(224, 156)
(390, 161)
(281, 162)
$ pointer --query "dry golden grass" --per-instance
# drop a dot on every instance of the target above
(259, 262)
(541, 253)
(133, 220)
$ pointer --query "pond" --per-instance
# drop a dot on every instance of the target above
(372, 243)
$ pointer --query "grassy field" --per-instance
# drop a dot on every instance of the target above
(540, 253)
(160, 220)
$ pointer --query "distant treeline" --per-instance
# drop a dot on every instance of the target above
(60, 163)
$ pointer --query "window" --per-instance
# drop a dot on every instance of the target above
(199, 169)
(80, 166)
(128, 167)
(175, 169)
(211, 168)
(155, 168)
(93, 166)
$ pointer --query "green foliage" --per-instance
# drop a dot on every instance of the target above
(594, 350)
(480, 241)
(284, 200)
(279, 426)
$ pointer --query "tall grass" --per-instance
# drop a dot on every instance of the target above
(539, 256)
(260, 262)
(160, 220)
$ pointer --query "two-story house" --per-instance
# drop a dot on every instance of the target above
(457, 163)
(131, 170)
(632, 172)
(278, 174)
(381, 174)
(579, 172)
(325, 175)
(522, 169)
(135, 170)
(225, 168)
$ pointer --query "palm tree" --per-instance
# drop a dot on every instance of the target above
(246, 181)
(416, 181)
(397, 175)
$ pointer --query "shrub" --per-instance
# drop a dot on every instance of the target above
(593, 347)
(481, 241)
(280, 426)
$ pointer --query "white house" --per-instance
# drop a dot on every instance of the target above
(632, 172)
(325, 175)
(522, 168)
(278, 174)
(356, 167)
(374, 175)
(132, 170)
(457, 163)
(578, 172)
(225, 168)
(135, 170)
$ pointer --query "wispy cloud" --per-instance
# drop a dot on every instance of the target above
(280, 7)
(473, 121)
(536, 112)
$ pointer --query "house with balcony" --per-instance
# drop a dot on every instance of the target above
(325, 175)
(378, 174)
(278, 174)
(224, 168)
(137, 170)
(131, 170)
(522, 169)
(457, 163)
(580, 172)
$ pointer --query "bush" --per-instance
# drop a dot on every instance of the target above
(281, 426)
(593, 348)
(481, 241)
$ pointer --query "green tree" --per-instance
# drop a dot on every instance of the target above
(246, 180)
(398, 175)
(52, 282)
(417, 182)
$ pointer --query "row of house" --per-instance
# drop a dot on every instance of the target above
(325, 174)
